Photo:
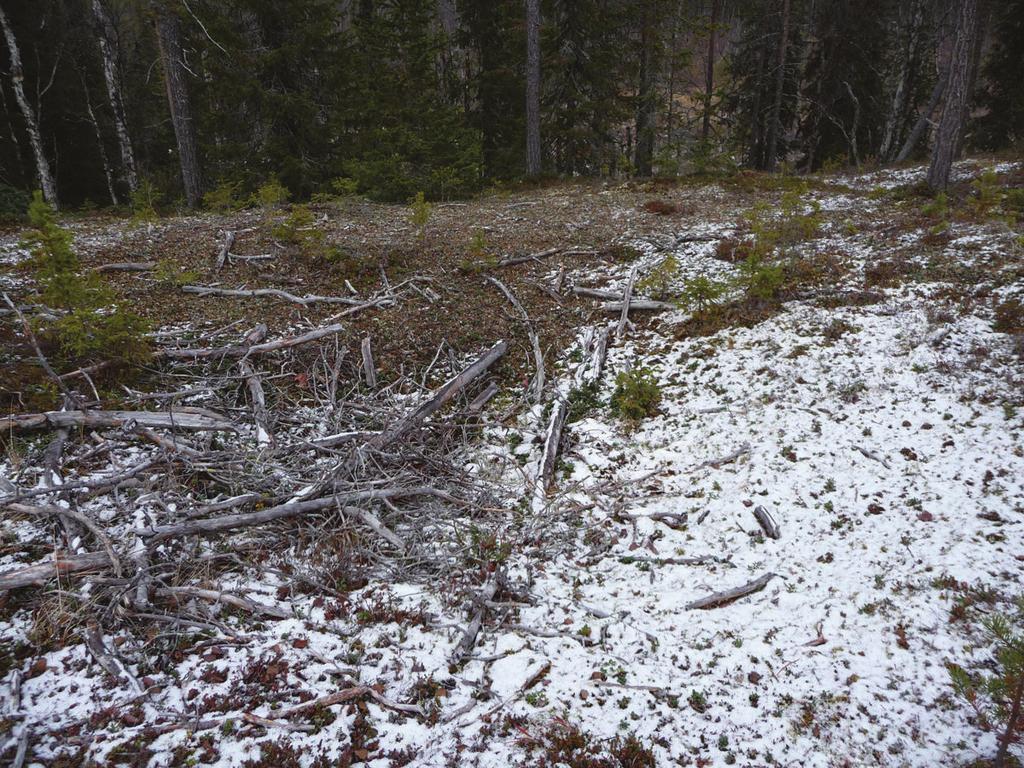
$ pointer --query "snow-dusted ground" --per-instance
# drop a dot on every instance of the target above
(884, 439)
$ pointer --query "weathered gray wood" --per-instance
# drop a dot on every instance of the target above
(190, 419)
(127, 266)
(767, 522)
(549, 457)
(241, 350)
(627, 296)
(225, 250)
(40, 573)
(465, 646)
(719, 599)
(369, 369)
(279, 512)
(274, 293)
(640, 305)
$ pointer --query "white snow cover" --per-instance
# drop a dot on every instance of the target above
(884, 441)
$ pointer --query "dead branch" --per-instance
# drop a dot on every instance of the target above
(47, 510)
(465, 647)
(229, 240)
(719, 599)
(226, 598)
(369, 369)
(538, 355)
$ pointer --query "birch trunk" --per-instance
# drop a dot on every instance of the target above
(908, 63)
(107, 170)
(106, 35)
(46, 180)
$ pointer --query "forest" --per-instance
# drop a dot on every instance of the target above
(532, 383)
(200, 103)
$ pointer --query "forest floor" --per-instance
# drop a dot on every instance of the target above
(874, 411)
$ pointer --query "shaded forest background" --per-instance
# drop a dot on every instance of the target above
(177, 100)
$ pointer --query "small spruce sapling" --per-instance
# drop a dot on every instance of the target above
(419, 214)
(998, 697)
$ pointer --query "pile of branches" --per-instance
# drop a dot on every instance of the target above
(151, 505)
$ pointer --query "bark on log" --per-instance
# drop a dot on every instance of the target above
(186, 418)
(40, 573)
(126, 266)
(719, 599)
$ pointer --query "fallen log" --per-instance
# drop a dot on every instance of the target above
(190, 419)
(127, 266)
(549, 457)
(39, 574)
(280, 512)
(242, 350)
(719, 599)
(627, 297)
(275, 293)
(767, 522)
(639, 305)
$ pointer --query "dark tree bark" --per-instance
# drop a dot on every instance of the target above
(35, 138)
(106, 36)
(709, 77)
(774, 126)
(647, 101)
(532, 87)
(900, 101)
(925, 118)
(954, 112)
(108, 172)
(175, 77)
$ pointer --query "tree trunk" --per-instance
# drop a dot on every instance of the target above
(709, 77)
(532, 87)
(171, 53)
(106, 35)
(46, 180)
(951, 124)
(644, 158)
(925, 118)
(780, 80)
(908, 63)
(107, 170)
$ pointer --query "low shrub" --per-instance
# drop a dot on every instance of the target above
(637, 395)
